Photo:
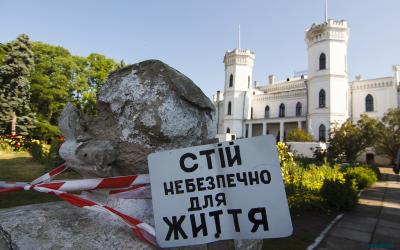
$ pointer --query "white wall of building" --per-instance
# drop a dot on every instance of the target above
(384, 93)
(259, 104)
(305, 149)
(344, 99)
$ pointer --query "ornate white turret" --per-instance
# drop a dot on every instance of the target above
(328, 83)
(238, 78)
(330, 30)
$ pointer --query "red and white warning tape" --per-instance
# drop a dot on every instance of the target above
(50, 175)
(132, 186)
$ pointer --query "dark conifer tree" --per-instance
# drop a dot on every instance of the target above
(15, 112)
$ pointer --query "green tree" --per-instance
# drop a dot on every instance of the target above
(299, 135)
(346, 142)
(349, 140)
(370, 129)
(96, 69)
(388, 141)
(15, 112)
(59, 77)
(54, 79)
(4, 48)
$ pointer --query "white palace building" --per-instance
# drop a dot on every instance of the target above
(315, 101)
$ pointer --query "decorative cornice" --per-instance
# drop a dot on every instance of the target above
(327, 75)
(286, 86)
(372, 84)
(280, 96)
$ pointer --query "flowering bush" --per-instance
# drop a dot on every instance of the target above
(41, 151)
(321, 187)
(286, 160)
(12, 142)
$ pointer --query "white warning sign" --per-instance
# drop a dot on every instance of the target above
(230, 190)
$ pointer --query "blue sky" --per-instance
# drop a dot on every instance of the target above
(192, 36)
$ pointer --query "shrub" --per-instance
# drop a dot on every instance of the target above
(46, 153)
(53, 158)
(339, 194)
(316, 187)
(39, 150)
(320, 155)
(363, 176)
(305, 201)
(299, 135)
(286, 159)
(305, 161)
(374, 168)
(314, 177)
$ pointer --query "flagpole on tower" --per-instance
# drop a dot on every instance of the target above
(326, 10)
(239, 36)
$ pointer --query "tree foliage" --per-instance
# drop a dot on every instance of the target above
(388, 141)
(15, 87)
(49, 76)
(53, 81)
(4, 48)
(95, 70)
(59, 77)
(346, 142)
(299, 135)
(349, 140)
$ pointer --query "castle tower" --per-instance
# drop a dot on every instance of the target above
(238, 78)
(328, 84)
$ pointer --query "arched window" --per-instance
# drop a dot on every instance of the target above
(251, 113)
(322, 133)
(322, 61)
(322, 99)
(282, 110)
(228, 130)
(229, 108)
(248, 82)
(298, 109)
(266, 112)
(369, 103)
(231, 81)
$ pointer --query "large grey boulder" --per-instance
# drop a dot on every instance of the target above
(142, 108)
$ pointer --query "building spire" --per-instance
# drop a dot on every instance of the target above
(326, 10)
(239, 36)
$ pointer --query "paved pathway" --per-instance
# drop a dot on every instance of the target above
(374, 223)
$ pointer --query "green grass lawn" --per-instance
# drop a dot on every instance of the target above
(307, 226)
(19, 166)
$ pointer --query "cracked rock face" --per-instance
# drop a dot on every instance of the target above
(142, 108)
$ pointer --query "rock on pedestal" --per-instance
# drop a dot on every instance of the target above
(142, 108)
(59, 225)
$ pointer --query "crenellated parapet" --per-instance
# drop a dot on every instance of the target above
(330, 30)
(239, 56)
